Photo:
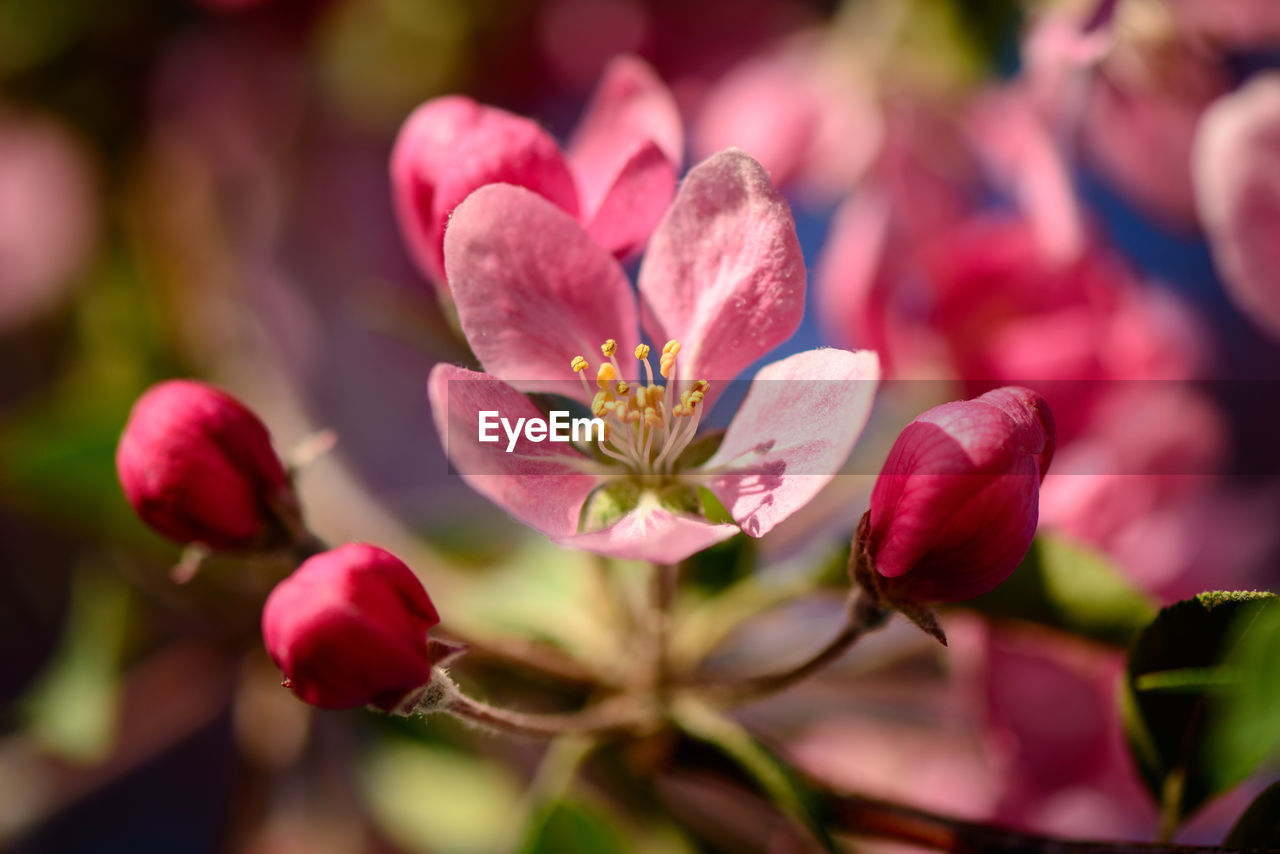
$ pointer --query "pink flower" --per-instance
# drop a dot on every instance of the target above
(349, 628)
(984, 302)
(722, 283)
(1237, 158)
(198, 467)
(955, 507)
(617, 178)
(1052, 721)
(799, 111)
(48, 217)
(1130, 88)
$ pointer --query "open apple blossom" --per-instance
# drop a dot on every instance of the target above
(722, 283)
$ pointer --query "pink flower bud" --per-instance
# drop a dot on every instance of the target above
(955, 507)
(198, 467)
(349, 628)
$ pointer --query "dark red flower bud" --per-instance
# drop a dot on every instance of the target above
(198, 467)
(349, 628)
(956, 505)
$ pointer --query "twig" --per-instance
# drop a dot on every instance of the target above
(864, 615)
(610, 717)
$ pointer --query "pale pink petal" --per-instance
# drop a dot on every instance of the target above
(540, 484)
(450, 147)
(794, 431)
(1140, 121)
(852, 272)
(723, 273)
(631, 108)
(653, 533)
(766, 107)
(1237, 175)
(636, 201)
(1021, 154)
(533, 290)
(1232, 24)
(48, 217)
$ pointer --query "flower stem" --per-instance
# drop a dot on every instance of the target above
(619, 715)
(864, 614)
(661, 595)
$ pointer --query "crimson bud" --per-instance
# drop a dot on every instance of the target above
(956, 505)
(197, 466)
(349, 628)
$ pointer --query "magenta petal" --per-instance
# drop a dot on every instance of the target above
(723, 273)
(630, 110)
(1237, 177)
(450, 147)
(635, 202)
(794, 431)
(534, 290)
(539, 484)
(651, 533)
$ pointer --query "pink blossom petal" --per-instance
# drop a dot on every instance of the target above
(635, 202)
(1237, 174)
(1021, 153)
(653, 533)
(795, 430)
(533, 290)
(723, 274)
(631, 109)
(451, 146)
(852, 272)
(539, 484)
(766, 107)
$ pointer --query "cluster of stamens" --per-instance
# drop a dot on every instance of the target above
(647, 426)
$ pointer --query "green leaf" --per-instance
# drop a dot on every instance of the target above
(717, 568)
(572, 827)
(439, 801)
(1070, 587)
(607, 504)
(1245, 729)
(1259, 826)
(1185, 673)
(699, 450)
(712, 509)
(73, 709)
(770, 773)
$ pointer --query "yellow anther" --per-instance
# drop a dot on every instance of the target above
(579, 364)
(622, 388)
(642, 351)
(702, 386)
(671, 348)
(651, 417)
(601, 403)
(654, 394)
(609, 347)
(605, 375)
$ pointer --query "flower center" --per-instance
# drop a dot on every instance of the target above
(646, 426)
